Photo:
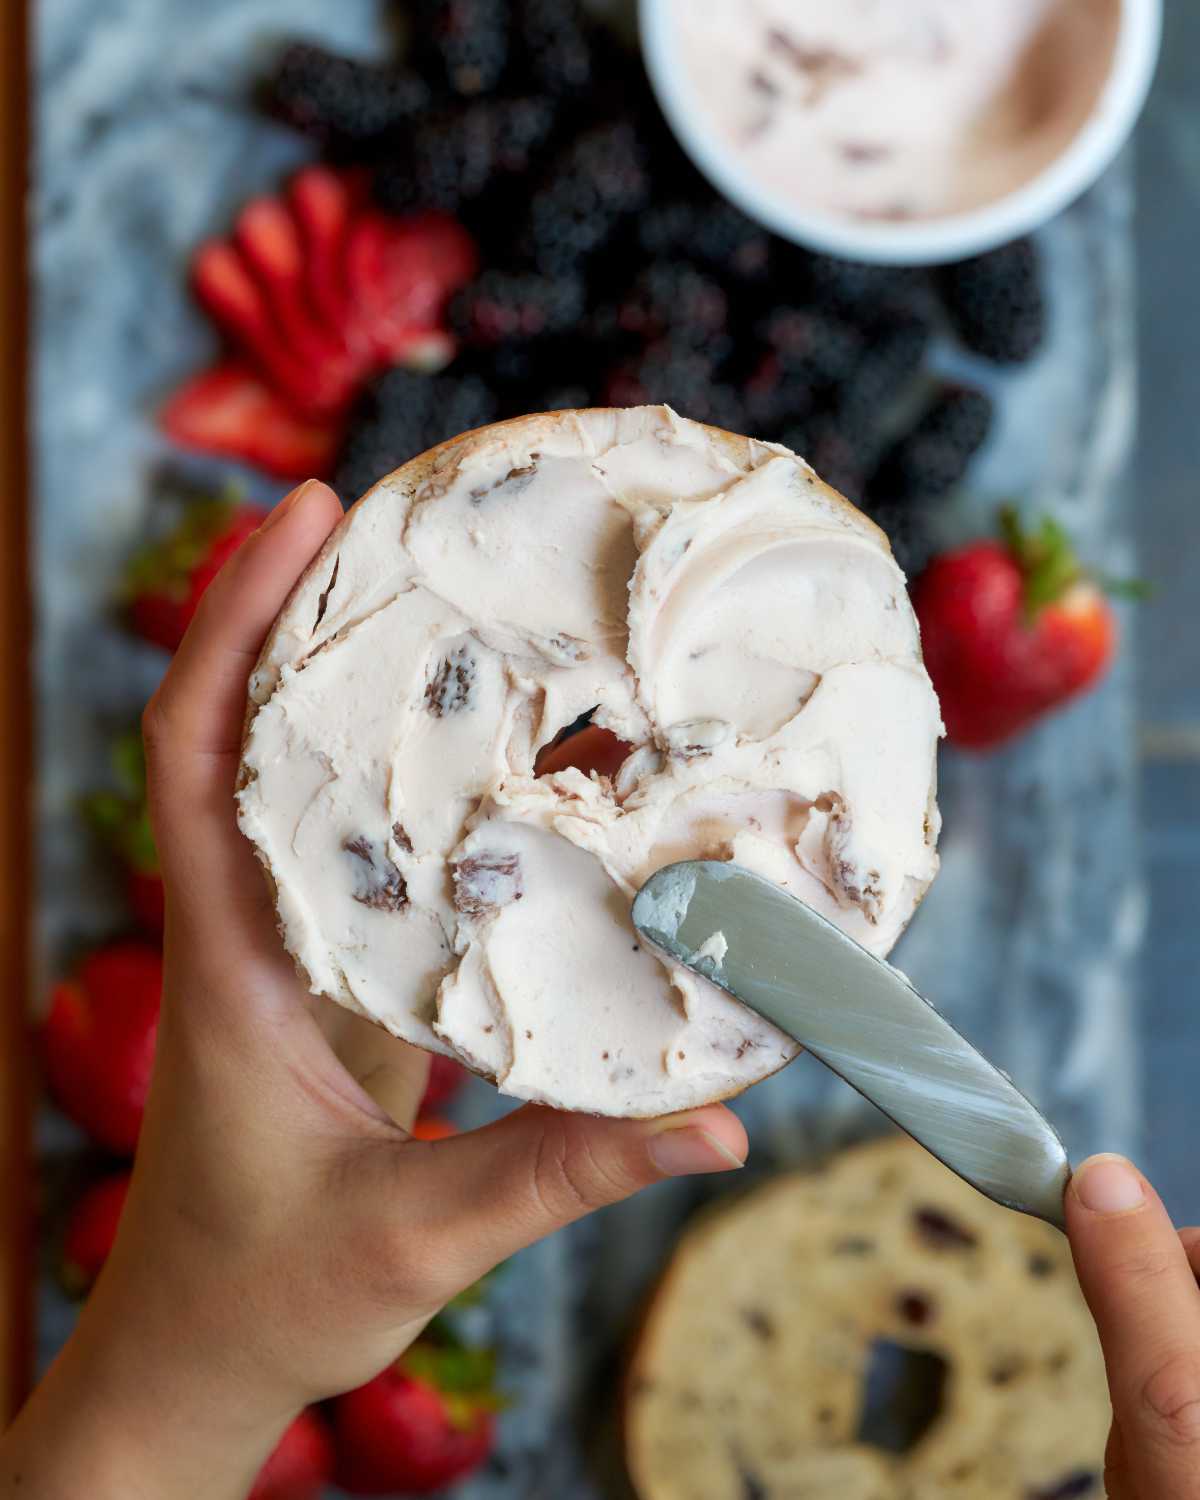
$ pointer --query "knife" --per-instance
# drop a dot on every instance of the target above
(861, 1018)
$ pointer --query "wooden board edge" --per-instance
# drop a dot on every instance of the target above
(16, 1171)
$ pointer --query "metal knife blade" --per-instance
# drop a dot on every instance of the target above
(863, 1019)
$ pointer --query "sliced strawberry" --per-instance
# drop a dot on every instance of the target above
(231, 411)
(224, 285)
(401, 274)
(309, 361)
(226, 289)
(323, 202)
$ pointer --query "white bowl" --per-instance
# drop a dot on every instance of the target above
(929, 241)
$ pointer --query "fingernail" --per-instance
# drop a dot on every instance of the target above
(1108, 1185)
(690, 1150)
(288, 503)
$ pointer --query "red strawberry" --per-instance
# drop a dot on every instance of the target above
(301, 1466)
(432, 1128)
(147, 899)
(317, 293)
(312, 377)
(401, 274)
(1011, 629)
(309, 362)
(98, 1041)
(422, 1424)
(166, 581)
(446, 1077)
(91, 1230)
(231, 411)
(122, 819)
(592, 749)
(323, 202)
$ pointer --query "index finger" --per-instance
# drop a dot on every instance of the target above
(1140, 1287)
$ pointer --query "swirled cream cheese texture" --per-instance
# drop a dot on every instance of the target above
(721, 610)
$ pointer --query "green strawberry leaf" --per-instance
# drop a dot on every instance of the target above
(1139, 590)
(166, 566)
(464, 1374)
(122, 819)
(129, 762)
(1051, 568)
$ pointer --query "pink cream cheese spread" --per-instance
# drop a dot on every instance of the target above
(722, 611)
(895, 109)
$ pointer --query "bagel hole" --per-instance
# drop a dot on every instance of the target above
(903, 1396)
(564, 734)
(582, 745)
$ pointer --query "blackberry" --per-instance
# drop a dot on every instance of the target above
(890, 363)
(830, 451)
(403, 414)
(448, 163)
(566, 398)
(910, 530)
(342, 101)
(856, 289)
(822, 350)
(681, 378)
(996, 302)
(553, 45)
(455, 155)
(712, 232)
(928, 462)
(462, 43)
(521, 126)
(527, 376)
(775, 400)
(673, 297)
(504, 305)
(597, 180)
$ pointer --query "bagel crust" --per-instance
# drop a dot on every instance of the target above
(704, 597)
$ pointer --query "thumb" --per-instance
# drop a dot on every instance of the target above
(496, 1190)
(1142, 1292)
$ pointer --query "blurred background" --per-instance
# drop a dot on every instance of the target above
(271, 240)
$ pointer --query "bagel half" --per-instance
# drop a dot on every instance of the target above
(704, 597)
(876, 1330)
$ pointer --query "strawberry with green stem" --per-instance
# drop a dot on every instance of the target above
(166, 581)
(1011, 629)
(121, 818)
(423, 1423)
